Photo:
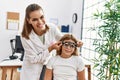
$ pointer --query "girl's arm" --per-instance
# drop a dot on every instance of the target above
(81, 75)
(48, 74)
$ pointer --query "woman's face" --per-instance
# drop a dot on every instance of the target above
(37, 20)
(68, 48)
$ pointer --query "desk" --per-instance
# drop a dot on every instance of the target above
(9, 69)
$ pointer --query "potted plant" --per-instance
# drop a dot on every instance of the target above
(108, 44)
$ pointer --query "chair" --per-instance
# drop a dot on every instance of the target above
(86, 66)
(17, 47)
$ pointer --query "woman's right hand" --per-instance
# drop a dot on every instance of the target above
(55, 46)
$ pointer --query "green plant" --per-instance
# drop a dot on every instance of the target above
(108, 44)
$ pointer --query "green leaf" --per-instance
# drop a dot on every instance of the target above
(96, 65)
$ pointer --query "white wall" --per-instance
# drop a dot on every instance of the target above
(77, 6)
(60, 9)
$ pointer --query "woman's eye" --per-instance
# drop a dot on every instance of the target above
(41, 17)
(34, 19)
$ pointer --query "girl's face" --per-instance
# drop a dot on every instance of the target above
(37, 20)
(68, 47)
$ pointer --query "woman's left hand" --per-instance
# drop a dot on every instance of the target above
(79, 43)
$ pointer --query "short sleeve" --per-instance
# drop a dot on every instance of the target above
(80, 65)
(49, 65)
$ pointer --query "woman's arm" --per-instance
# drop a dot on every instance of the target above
(48, 74)
(81, 75)
(35, 54)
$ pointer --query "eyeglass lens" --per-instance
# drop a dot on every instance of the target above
(70, 44)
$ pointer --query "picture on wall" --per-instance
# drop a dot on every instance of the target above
(12, 21)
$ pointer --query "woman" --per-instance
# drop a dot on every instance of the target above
(37, 39)
(67, 65)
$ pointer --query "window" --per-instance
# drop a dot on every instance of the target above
(88, 35)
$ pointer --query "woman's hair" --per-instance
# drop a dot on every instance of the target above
(27, 28)
(68, 37)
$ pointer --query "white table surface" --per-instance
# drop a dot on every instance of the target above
(15, 62)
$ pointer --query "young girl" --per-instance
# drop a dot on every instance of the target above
(67, 65)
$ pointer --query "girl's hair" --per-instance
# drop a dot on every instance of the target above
(27, 28)
(68, 37)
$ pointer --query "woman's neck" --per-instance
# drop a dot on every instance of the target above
(41, 33)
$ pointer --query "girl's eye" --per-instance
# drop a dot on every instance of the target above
(66, 45)
(72, 46)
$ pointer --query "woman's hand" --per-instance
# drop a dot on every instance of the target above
(55, 46)
(79, 43)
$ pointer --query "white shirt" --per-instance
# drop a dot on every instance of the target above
(65, 68)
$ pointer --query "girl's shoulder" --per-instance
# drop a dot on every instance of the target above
(77, 58)
(53, 58)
